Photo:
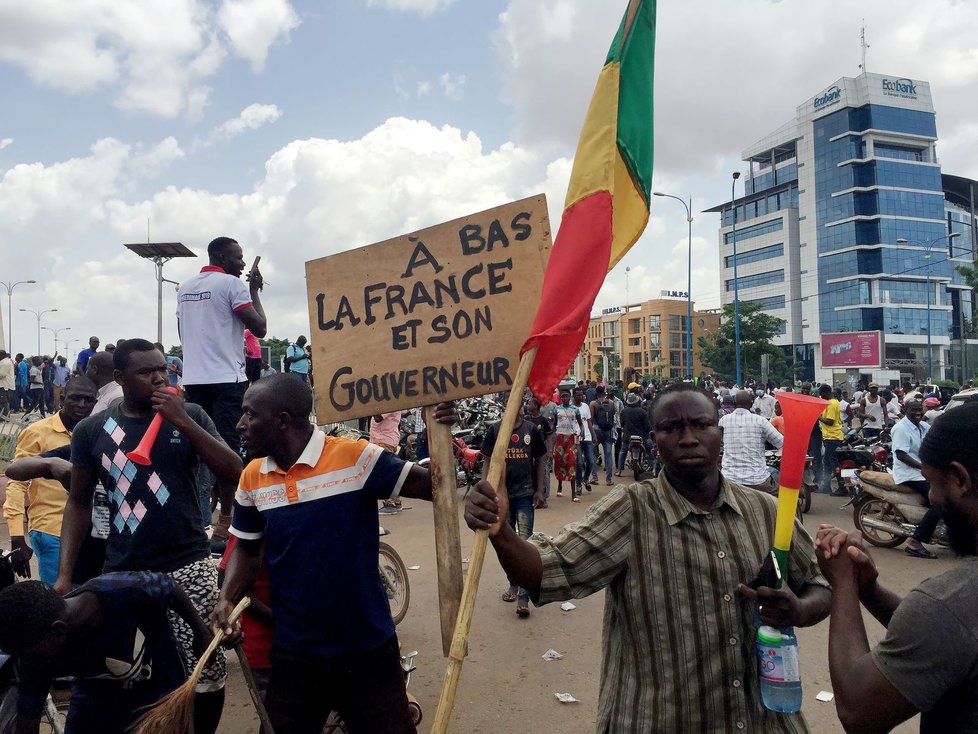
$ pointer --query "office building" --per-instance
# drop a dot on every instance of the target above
(648, 337)
(848, 230)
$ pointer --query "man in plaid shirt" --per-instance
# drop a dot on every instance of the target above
(744, 437)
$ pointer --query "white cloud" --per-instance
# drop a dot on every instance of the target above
(154, 55)
(5, 142)
(254, 25)
(251, 117)
(423, 89)
(423, 7)
(453, 85)
(316, 197)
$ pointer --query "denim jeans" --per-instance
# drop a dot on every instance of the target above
(830, 464)
(606, 439)
(587, 463)
(521, 520)
(623, 453)
(47, 548)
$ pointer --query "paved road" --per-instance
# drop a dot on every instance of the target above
(506, 685)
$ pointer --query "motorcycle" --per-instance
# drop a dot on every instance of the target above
(857, 453)
(638, 458)
(887, 513)
(468, 459)
(394, 579)
(335, 725)
(772, 458)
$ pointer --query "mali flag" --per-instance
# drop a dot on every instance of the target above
(607, 205)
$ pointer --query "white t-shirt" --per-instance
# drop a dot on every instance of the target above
(211, 334)
(585, 417)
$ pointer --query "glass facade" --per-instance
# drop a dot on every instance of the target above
(769, 303)
(756, 230)
(885, 216)
(752, 281)
(763, 253)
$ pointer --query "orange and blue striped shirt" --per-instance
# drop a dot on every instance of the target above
(318, 519)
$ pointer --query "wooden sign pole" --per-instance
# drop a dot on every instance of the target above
(446, 700)
(448, 543)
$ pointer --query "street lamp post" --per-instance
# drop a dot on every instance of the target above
(38, 315)
(689, 279)
(927, 244)
(10, 291)
(733, 238)
(57, 332)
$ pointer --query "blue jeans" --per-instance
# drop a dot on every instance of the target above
(47, 548)
(623, 453)
(606, 439)
(830, 463)
(521, 520)
(587, 462)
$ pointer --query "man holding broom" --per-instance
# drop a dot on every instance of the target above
(676, 555)
(311, 505)
(155, 522)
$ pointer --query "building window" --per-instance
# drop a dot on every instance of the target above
(752, 281)
(756, 230)
(764, 253)
(655, 340)
(769, 303)
(609, 328)
(655, 323)
(675, 340)
(899, 152)
(677, 322)
(676, 359)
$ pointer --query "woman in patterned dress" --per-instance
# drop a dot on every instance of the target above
(569, 425)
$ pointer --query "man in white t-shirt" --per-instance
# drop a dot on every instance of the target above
(213, 309)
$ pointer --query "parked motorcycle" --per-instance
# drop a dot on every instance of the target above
(468, 459)
(887, 513)
(808, 485)
(394, 578)
(858, 453)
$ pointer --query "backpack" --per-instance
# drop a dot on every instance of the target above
(604, 416)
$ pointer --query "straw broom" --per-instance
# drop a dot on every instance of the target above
(174, 713)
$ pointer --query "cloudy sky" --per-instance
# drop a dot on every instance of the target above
(304, 128)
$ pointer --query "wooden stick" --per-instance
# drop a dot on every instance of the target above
(448, 542)
(249, 677)
(456, 656)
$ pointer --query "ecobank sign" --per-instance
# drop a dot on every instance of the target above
(830, 97)
(903, 88)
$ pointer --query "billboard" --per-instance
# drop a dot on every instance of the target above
(852, 349)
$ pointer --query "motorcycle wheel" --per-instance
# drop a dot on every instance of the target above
(873, 507)
(637, 468)
(393, 575)
(807, 490)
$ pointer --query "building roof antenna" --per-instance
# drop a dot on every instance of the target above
(864, 46)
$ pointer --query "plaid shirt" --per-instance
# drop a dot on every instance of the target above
(678, 640)
(744, 435)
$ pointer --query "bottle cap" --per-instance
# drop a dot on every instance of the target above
(768, 635)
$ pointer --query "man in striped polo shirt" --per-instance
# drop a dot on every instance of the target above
(311, 504)
(675, 555)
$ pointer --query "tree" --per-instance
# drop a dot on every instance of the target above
(614, 367)
(757, 330)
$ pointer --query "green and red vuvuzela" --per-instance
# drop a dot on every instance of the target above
(607, 204)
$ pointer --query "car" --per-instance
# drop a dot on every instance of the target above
(960, 398)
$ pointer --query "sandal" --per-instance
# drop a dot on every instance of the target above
(509, 596)
(578, 499)
(618, 473)
(522, 611)
(559, 493)
(610, 483)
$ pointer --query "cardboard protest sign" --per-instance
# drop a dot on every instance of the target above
(438, 314)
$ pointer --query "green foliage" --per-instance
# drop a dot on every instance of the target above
(614, 367)
(947, 383)
(757, 330)
(277, 347)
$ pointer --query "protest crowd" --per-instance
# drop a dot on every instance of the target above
(138, 565)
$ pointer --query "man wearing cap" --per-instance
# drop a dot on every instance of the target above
(933, 407)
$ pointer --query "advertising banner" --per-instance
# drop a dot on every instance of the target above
(852, 349)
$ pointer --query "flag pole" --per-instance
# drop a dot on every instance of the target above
(456, 655)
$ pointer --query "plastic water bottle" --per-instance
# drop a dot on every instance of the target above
(777, 665)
